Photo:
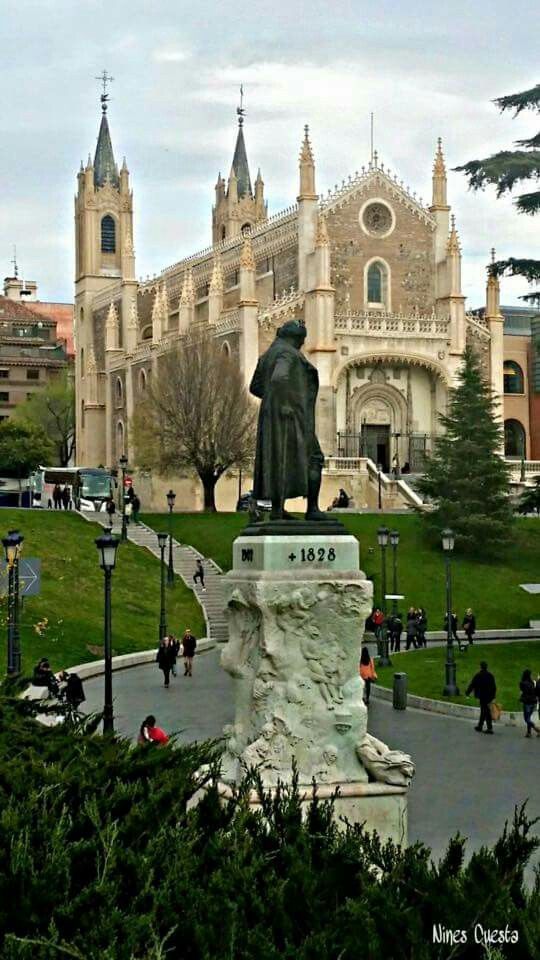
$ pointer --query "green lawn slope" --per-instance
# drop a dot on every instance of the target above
(69, 610)
(491, 588)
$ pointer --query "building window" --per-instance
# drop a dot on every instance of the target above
(32, 374)
(142, 381)
(374, 279)
(226, 350)
(4, 396)
(513, 377)
(514, 439)
(119, 439)
(82, 363)
(246, 228)
(119, 391)
(108, 235)
(376, 284)
(4, 374)
(82, 414)
(223, 232)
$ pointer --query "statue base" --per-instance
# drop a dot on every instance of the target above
(296, 608)
(296, 527)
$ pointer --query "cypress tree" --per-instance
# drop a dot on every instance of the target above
(466, 478)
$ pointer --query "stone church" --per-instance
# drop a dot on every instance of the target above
(374, 272)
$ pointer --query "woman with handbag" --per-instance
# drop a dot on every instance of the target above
(529, 700)
(366, 670)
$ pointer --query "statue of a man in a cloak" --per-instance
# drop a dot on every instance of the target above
(289, 460)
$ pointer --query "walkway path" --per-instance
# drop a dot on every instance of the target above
(184, 559)
(465, 782)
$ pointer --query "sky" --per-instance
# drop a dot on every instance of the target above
(424, 69)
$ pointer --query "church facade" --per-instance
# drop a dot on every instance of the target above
(374, 272)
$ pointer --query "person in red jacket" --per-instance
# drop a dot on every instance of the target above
(150, 734)
(377, 618)
(366, 669)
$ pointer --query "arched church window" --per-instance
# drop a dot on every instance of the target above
(246, 228)
(82, 363)
(226, 350)
(108, 234)
(513, 377)
(142, 381)
(514, 439)
(119, 439)
(223, 232)
(147, 332)
(119, 391)
(82, 414)
(375, 283)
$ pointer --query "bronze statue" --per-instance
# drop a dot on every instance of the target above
(288, 460)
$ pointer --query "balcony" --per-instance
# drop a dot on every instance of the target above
(370, 323)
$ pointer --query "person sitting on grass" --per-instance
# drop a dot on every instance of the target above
(150, 734)
(44, 677)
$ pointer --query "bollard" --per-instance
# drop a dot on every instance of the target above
(399, 701)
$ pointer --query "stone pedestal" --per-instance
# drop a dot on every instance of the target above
(296, 607)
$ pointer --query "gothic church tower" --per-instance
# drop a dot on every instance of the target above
(237, 205)
(104, 261)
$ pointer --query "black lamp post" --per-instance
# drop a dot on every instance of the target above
(394, 543)
(171, 497)
(162, 541)
(123, 461)
(379, 484)
(382, 538)
(12, 547)
(451, 688)
(107, 546)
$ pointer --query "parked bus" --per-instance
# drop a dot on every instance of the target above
(90, 487)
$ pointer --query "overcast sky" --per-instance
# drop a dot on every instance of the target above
(425, 70)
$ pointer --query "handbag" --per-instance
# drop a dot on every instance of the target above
(495, 709)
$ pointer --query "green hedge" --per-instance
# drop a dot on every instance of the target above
(99, 860)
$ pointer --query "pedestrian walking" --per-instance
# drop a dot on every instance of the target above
(150, 734)
(66, 497)
(395, 627)
(366, 669)
(57, 497)
(453, 626)
(529, 699)
(421, 627)
(377, 619)
(411, 629)
(189, 645)
(484, 688)
(469, 625)
(165, 659)
(110, 507)
(175, 648)
(199, 575)
(135, 508)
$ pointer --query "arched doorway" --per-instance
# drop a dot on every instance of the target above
(514, 440)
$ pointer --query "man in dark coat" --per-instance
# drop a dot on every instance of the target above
(484, 688)
(289, 460)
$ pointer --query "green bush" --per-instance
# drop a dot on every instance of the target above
(101, 860)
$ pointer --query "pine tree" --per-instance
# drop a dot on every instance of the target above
(466, 478)
(506, 169)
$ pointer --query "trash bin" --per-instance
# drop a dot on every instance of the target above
(399, 701)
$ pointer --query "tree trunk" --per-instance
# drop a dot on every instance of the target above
(19, 495)
(209, 487)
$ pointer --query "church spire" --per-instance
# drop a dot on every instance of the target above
(240, 165)
(439, 201)
(307, 169)
(104, 164)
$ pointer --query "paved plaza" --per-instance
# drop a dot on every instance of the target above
(465, 782)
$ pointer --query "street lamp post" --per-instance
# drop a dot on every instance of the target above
(123, 461)
(382, 539)
(107, 546)
(394, 543)
(171, 497)
(450, 689)
(162, 542)
(379, 481)
(12, 546)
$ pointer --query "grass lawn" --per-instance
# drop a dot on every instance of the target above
(71, 598)
(491, 589)
(506, 661)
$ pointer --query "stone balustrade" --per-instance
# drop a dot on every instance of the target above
(384, 324)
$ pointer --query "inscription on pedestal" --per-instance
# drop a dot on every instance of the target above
(296, 553)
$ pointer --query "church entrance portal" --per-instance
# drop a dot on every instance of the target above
(377, 443)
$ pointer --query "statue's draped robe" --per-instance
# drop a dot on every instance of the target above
(286, 445)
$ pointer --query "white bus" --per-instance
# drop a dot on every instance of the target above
(90, 487)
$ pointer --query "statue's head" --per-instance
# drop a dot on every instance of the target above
(293, 330)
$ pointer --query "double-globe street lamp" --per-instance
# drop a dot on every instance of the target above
(162, 542)
(171, 497)
(107, 546)
(123, 461)
(12, 547)
(450, 689)
(382, 539)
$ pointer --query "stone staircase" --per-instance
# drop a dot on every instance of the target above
(184, 559)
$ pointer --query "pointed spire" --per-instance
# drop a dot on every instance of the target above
(453, 246)
(104, 165)
(240, 164)
(188, 289)
(247, 260)
(307, 169)
(493, 291)
(439, 181)
(321, 237)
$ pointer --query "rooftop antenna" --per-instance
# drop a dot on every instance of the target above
(104, 78)
(241, 110)
(14, 262)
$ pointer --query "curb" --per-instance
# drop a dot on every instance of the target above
(507, 718)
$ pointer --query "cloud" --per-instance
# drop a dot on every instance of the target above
(170, 56)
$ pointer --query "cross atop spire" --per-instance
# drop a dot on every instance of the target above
(241, 109)
(104, 78)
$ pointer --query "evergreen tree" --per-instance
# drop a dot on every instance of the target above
(466, 478)
(506, 169)
(529, 501)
